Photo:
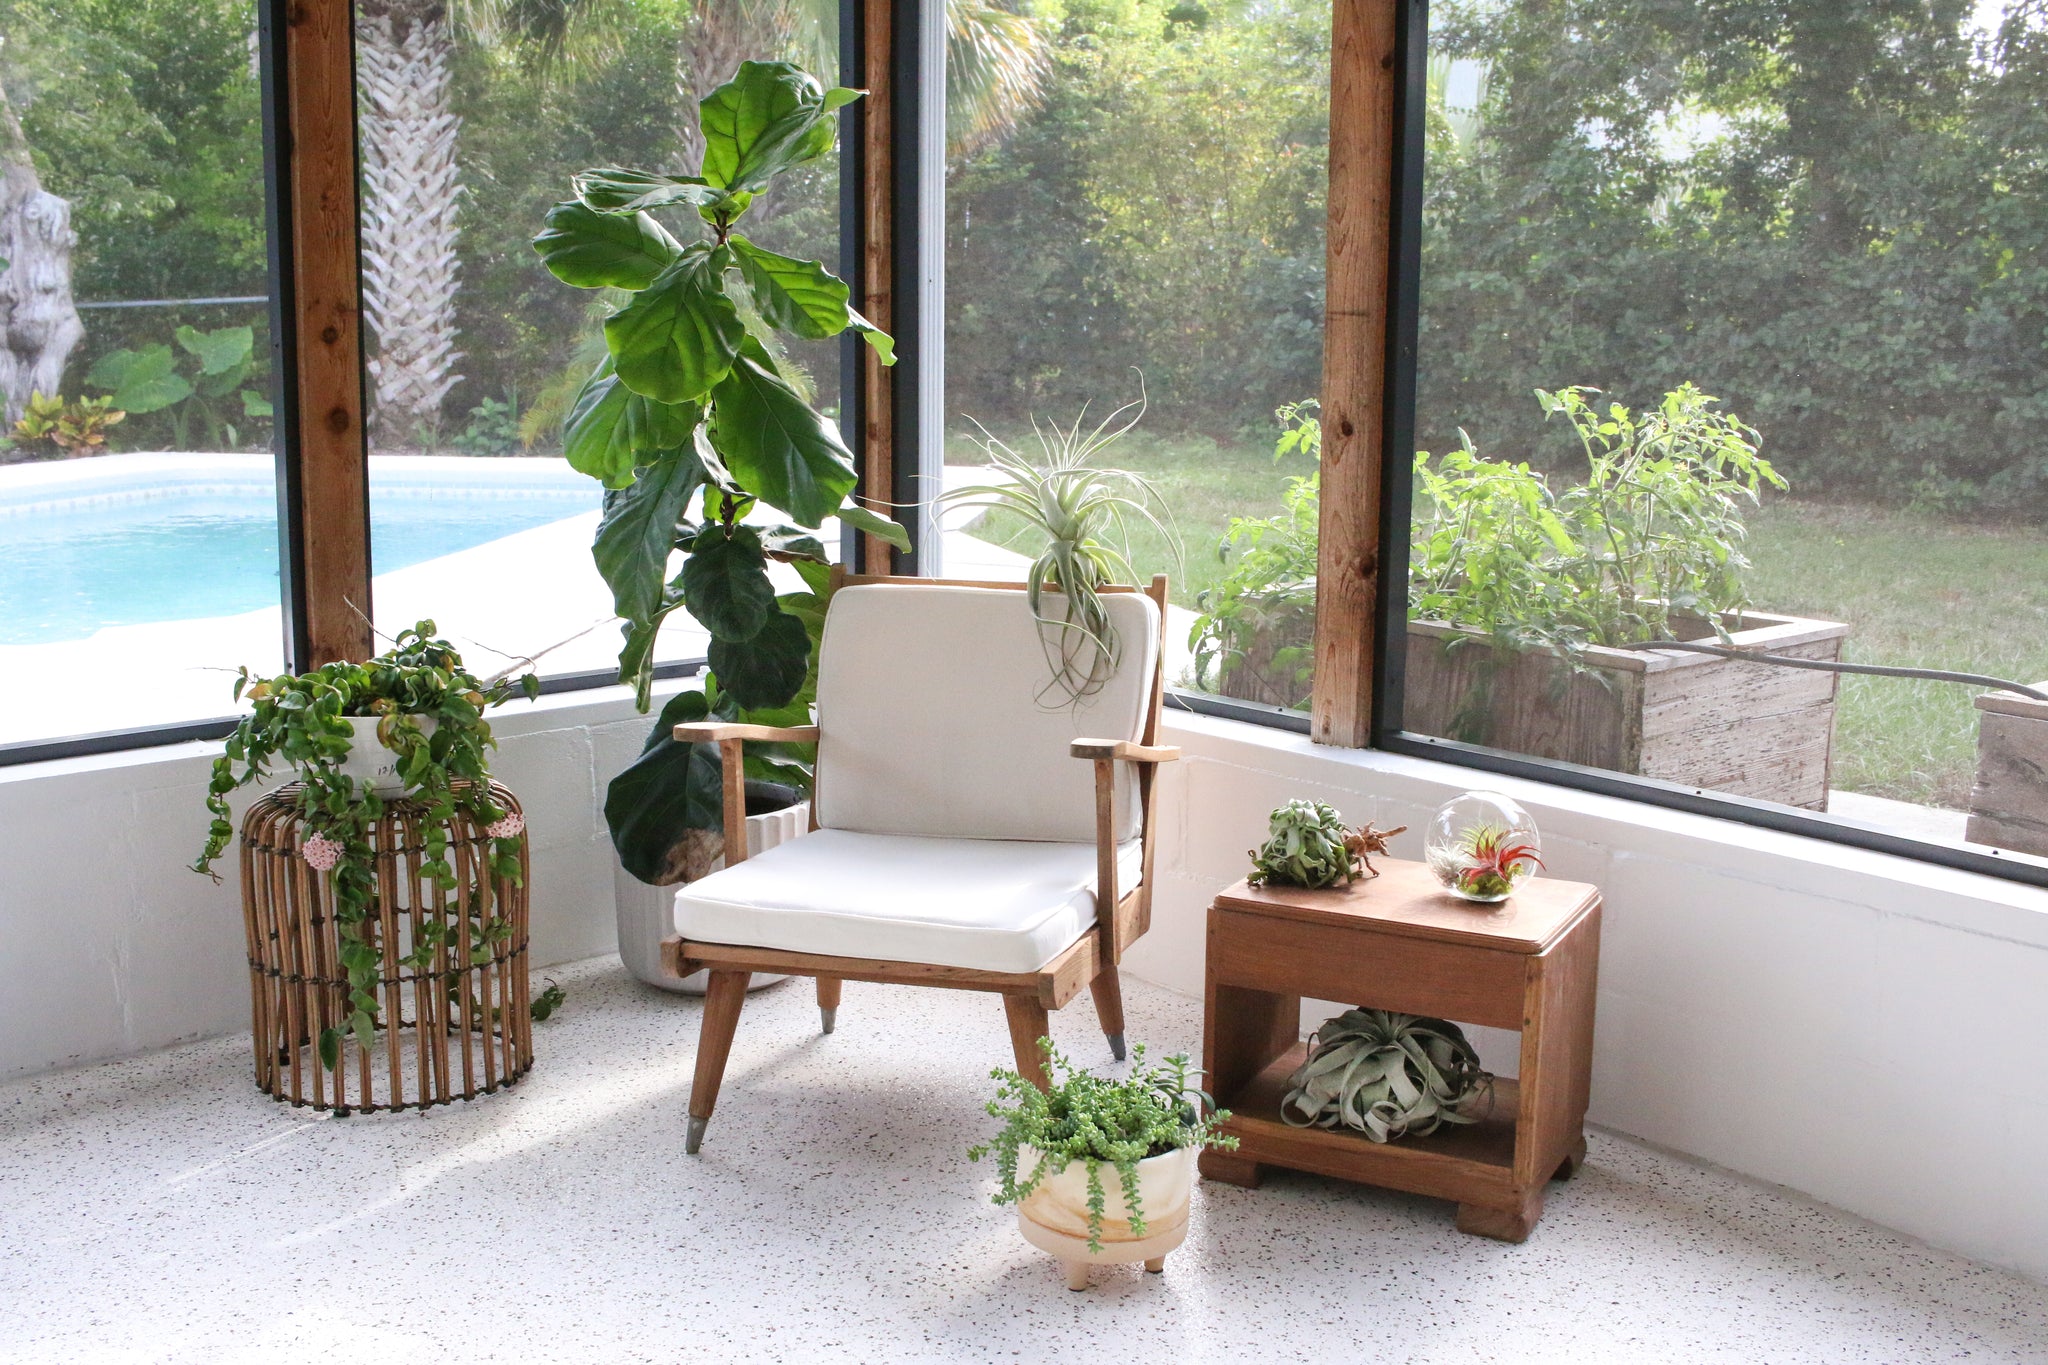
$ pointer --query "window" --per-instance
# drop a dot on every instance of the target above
(138, 499)
(471, 124)
(1729, 334)
(1135, 216)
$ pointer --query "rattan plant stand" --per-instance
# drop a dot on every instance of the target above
(453, 1021)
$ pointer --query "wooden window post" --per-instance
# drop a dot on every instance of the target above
(1363, 88)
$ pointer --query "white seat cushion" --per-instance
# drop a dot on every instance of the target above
(995, 905)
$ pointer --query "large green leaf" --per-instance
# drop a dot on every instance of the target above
(639, 528)
(875, 524)
(142, 381)
(219, 351)
(612, 430)
(798, 296)
(670, 789)
(604, 250)
(725, 582)
(769, 117)
(677, 338)
(636, 655)
(614, 189)
(767, 670)
(777, 448)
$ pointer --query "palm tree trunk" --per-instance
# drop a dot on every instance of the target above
(411, 187)
(38, 323)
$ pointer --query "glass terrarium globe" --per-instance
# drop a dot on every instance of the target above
(1482, 845)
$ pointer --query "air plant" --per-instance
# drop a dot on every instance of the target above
(1084, 513)
(1307, 844)
(1387, 1075)
(1491, 859)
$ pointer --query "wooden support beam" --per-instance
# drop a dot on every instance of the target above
(877, 201)
(332, 512)
(1362, 94)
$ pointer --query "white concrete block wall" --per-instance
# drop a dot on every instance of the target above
(108, 946)
(1862, 1028)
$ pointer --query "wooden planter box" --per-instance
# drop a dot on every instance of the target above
(1700, 721)
(2009, 803)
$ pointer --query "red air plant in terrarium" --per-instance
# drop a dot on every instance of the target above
(1482, 846)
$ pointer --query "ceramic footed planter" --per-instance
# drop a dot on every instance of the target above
(1054, 1217)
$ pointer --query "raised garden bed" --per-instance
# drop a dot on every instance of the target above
(2009, 803)
(1716, 724)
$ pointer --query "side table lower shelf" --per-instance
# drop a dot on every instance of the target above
(1472, 1164)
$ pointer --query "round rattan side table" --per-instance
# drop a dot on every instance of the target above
(453, 1019)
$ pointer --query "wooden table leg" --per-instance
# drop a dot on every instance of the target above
(1230, 1169)
(1573, 1159)
(1505, 1225)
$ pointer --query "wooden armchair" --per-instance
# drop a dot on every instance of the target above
(970, 828)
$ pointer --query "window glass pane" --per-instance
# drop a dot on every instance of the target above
(473, 119)
(1731, 333)
(138, 505)
(1135, 207)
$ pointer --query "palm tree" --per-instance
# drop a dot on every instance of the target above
(38, 322)
(411, 189)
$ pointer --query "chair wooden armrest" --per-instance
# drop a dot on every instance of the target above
(1127, 749)
(718, 731)
(731, 739)
(1105, 753)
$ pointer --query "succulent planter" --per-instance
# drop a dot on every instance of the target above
(2009, 802)
(1701, 721)
(647, 914)
(1054, 1217)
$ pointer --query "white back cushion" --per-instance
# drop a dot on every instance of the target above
(936, 718)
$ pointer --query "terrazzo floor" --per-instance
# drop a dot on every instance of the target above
(163, 1210)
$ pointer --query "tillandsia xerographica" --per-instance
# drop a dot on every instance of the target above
(1386, 1075)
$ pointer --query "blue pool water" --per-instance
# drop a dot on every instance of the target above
(70, 566)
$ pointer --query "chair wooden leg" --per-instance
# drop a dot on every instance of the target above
(1028, 1023)
(723, 998)
(1108, 992)
(828, 1001)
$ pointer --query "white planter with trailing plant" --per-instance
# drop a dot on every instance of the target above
(1101, 1171)
(1054, 1217)
(375, 765)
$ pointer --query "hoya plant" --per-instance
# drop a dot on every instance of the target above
(419, 700)
(692, 420)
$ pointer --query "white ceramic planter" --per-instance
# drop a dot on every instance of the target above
(647, 914)
(1054, 1217)
(372, 762)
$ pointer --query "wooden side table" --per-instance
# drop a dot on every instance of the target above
(1400, 942)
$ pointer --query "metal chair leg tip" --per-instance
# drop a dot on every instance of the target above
(695, 1138)
(829, 1019)
(1116, 1045)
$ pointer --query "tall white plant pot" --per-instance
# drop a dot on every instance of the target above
(647, 914)
(1054, 1217)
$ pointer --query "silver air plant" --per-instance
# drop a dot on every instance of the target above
(1307, 844)
(1084, 513)
(1387, 1075)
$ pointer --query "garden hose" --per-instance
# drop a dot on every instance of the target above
(1836, 666)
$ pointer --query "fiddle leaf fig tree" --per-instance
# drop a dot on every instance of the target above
(690, 421)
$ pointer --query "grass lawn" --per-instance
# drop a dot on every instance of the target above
(1915, 590)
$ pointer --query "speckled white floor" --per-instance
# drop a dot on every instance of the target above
(164, 1210)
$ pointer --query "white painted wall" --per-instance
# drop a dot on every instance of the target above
(109, 946)
(1862, 1028)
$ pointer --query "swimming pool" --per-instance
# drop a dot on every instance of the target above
(130, 539)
